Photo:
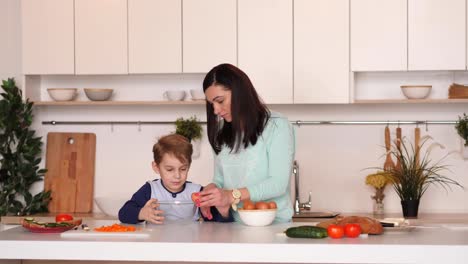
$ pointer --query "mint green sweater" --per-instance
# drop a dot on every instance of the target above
(264, 169)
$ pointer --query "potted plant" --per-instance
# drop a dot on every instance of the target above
(20, 152)
(412, 178)
(191, 129)
(462, 130)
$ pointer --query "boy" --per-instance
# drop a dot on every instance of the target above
(172, 158)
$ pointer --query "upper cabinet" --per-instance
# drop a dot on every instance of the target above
(154, 36)
(209, 34)
(101, 37)
(436, 34)
(265, 47)
(379, 35)
(47, 37)
(321, 51)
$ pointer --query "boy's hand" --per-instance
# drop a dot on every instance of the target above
(150, 212)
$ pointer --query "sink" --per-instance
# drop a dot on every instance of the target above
(324, 214)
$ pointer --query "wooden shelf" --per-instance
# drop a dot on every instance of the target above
(113, 103)
(410, 101)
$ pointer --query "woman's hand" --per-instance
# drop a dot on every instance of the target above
(214, 196)
(150, 212)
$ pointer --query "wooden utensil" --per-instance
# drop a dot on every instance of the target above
(388, 165)
(70, 161)
(417, 139)
(398, 145)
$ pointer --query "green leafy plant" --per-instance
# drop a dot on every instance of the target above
(416, 173)
(462, 127)
(20, 153)
(189, 128)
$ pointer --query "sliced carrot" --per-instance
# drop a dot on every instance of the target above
(115, 228)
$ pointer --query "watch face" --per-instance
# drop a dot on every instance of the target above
(236, 193)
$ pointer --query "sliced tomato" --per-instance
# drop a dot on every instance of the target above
(63, 218)
(352, 230)
(335, 231)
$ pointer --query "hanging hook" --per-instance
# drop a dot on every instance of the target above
(427, 126)
(298, 123)
(398, 123)
(139, 126)
(112, 127)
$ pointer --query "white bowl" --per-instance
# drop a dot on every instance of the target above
(416, 91)
(257, 217)
(197, 94)
(110, 205)
(62, 94)
(98, 94)
(174, 95)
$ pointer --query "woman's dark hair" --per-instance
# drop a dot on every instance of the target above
(249, 114)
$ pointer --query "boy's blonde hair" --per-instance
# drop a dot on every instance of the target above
(174, 144)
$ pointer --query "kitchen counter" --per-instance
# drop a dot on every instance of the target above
(235, 242)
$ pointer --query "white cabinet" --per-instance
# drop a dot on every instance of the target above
(436, 35)
(321, 51)
(209, 34)
(379, 35)
(47, 37)
(265, 47)
(101, 37)
(155, 36)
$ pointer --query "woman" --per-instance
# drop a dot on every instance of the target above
(254, 148)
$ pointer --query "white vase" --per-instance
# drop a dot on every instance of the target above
(196, 144)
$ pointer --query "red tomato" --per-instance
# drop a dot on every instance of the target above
(196, 198)
(272, 205)
(63, 217)
(335, 231)
(248, 205)
(261, 205)
(352, 230)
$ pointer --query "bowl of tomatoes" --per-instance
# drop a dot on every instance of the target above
(261, 213)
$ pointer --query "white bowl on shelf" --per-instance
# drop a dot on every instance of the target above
(174, 95)
(62, 94)
(257, 217)
(98, 94)
(416, 91)
(110, 205)
(197, 94)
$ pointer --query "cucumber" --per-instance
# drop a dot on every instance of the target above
(306, 232)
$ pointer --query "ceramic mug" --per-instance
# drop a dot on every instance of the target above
(174, 95)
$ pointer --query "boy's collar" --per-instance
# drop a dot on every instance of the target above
(174, 195)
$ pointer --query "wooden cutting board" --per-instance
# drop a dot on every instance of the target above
(70, 161)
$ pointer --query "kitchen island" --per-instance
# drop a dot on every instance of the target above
(235, 242)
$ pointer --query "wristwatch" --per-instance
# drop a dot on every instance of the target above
(236, 194)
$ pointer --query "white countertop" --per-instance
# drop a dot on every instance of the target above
(234, 242)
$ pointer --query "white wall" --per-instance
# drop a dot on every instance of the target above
(331, 158)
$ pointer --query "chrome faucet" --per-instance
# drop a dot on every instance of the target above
(298, 206)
